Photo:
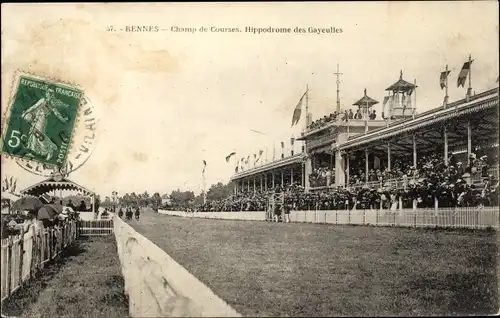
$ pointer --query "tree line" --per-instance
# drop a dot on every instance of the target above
(175, 199)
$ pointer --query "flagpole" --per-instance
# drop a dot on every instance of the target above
(204, 188)
(307, 104)
(446, 87)
(415, 94)
(469, 90)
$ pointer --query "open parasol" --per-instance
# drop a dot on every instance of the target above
(46, 212)
(27, 203)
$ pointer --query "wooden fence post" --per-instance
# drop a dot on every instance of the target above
(21, 258)
(9, 266)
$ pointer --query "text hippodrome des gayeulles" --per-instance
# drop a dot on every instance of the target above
(216, 29)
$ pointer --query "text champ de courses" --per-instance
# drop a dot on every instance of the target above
(255, 30)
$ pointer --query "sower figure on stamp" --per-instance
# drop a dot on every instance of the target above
(37, 140)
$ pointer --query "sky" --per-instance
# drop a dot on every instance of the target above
(165, 101)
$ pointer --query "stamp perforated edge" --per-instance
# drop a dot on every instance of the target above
(6, 115)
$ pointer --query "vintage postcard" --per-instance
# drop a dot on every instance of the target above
(250, 159)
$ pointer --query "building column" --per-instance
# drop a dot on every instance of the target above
(265, 182)
(254, 185)
(291, 175)
(282, 179)
(414, 151)
(389, 156)
(236, 187)
(248, 185)
(469, 141)
(307, 173)
(339, 169)
(261, 185)
(445, 135)
(272, 179)
(348, 159)
(366, 164)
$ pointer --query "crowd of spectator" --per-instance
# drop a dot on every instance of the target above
(348, 114)
(16, 224)
(321, 177)
(448, 184)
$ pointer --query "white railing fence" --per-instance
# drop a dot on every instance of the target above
(95, 228)
(472, 218)
(22, 256)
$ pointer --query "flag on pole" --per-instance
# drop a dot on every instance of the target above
(442, 78)
(236, 169)
(14, 187)
(462, 76)
(228, 157)
(204, 166)
(298, 110)
(282, 145)
(292, 141)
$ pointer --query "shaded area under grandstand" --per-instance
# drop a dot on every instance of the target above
(276, 269)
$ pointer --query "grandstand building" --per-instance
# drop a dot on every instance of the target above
(340, 151)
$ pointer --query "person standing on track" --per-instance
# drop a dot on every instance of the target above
(137, 213)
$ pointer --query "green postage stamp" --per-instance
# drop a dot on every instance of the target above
(41, 120)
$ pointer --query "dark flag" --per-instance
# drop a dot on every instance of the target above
(236, 169)
(462, 76)
(442, 79)
(204, 166)
(282, 144)
(292, 141)
(298, 110)
(228, 157)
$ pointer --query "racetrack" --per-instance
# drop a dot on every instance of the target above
(270, 269)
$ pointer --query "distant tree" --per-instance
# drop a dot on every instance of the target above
(107, 202)
(182, 199)
(156, 199)
(219, 191)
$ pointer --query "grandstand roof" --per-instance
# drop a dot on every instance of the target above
(50, 184)
(295, 159)
(481, 110)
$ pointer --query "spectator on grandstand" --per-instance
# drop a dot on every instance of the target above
(357, 115)
(351, 115)
(373, 115)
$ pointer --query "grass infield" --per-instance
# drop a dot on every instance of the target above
(85, 281)
(269, 269)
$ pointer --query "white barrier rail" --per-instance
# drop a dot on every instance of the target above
(472, 218)
(24, 255)
(157, 285)
(95, 228)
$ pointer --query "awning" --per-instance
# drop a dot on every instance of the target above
(50, 184)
